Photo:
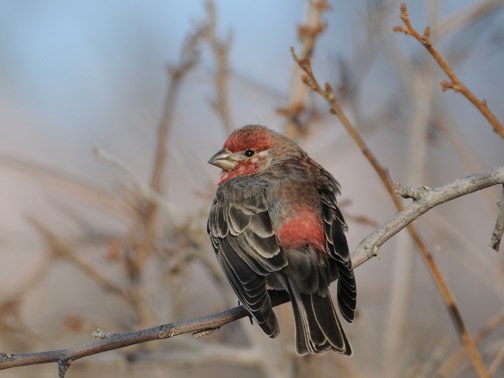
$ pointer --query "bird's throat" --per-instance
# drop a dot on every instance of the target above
(244, 168)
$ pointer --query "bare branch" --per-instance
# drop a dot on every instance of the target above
(499, 225)
(307, 34)
(123, 339)
(429, 199)
(147, 220)
(408, 192)
(220, 50)
(455, 84)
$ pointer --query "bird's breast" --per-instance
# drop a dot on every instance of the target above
(302, 228)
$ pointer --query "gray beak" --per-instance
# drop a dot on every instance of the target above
(224, 160)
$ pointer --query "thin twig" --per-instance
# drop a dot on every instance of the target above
(142, 235)
(365, 251)
(307, 34)
(498, 230)
(455, 84)
(328, 94)
(147, 221)
(220, 50)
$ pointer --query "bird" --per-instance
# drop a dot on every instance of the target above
(275, 225)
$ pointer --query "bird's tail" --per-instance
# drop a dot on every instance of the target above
(318, 328)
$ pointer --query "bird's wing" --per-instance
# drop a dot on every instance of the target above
(246, 245)
(336, 244)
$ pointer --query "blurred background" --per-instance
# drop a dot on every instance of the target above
(109, 112)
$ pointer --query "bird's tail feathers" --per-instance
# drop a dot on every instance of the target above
(318, 328)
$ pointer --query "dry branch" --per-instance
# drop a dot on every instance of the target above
(220, 50)
(144, 237)
(455, 84)
(366, 250)
(112, 341)
(498, 230)
(307, 34)
(426, 199)
(449, 300)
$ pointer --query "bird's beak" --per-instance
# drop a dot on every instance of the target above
(224, 160)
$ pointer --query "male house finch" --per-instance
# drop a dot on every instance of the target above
(274, 223)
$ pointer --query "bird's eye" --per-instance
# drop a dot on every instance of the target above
(249, 153)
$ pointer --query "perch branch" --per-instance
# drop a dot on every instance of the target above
(328, 94)
(455, 84)
(366, 250)
(120, 340)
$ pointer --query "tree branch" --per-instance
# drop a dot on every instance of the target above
(499, 225)
(146, 223)
(220, 50)
(365, 250)
(426, 199)
(455, 84)
(449, 300)
(307, 35)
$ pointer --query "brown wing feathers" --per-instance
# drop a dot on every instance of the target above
(247, 248)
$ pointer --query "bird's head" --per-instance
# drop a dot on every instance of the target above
(248, 151)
